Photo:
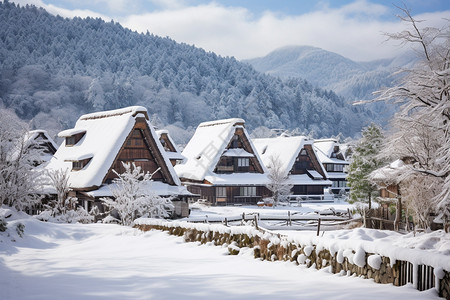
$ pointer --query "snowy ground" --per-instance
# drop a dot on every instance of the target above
(100, 261)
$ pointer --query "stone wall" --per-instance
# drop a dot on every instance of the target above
(376, 267)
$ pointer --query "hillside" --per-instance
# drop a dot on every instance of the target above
(54, 69)
(352, 80)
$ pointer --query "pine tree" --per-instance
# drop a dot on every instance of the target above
(364, 161)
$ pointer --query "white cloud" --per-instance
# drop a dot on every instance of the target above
(67, 13)
(354, 30)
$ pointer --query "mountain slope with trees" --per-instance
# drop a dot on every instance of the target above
(54, 69)
(355, 81)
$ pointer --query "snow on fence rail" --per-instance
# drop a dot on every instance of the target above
(291, 221)
(389, 264)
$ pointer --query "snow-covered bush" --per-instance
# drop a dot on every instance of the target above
(278, 181)
(133, 197)
(63, 209)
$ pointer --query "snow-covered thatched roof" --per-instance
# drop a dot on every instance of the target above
(207, 146)
(390, 174)
(325, 149)
(34, 134)
(176, 155)
(104, 135)
(286, 149)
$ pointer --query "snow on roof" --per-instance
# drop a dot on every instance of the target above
(207, 146)
(106, 132)
(238, 152)
(156, 187)
(131, 110)
(389, 174)
(314, 174)
(303, 179)
(324, 149)
(172, 155)
(285, 148)
(238, 179)
(33, 134)
(71, 132)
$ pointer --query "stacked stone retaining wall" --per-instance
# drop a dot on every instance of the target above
(273, 248)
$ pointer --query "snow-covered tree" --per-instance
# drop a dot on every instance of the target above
(19, 180)
(64, 208)
(364, 161)
(278, 183)
(133, 197)
(424, 95)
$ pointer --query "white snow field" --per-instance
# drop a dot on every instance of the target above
(104, 261)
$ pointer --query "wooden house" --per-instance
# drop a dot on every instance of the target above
(41, 140)
(100, 142)
(172, 150)
(331, 155)
(298, 161)
(222, 165)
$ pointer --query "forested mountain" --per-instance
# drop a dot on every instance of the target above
(352, 80)
(54, 69)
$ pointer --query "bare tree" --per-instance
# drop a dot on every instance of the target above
(278, 183)
(424, 94)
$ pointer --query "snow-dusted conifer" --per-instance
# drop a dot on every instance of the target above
(364, 161)
(134, 198)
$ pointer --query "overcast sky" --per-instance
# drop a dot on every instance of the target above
(253, 28)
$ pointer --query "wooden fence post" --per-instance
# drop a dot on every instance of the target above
(256, 222)
(318, 227)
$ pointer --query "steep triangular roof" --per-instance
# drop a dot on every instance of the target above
(103, 136)
(325, 149)
(208, 144)
(172, 150)
(42, 138)
(286, 149)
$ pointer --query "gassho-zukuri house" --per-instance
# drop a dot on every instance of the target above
(101, 142)
(222, 165)
(331, 154)
(172, 150)
(298, 161)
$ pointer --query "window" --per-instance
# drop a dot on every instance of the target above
(73, 139)
(335, 168)
(339, 168)
(235, 141)
(70, 140)
(248, 191)
(243, 162)
(221, 192)
(339, 184)
(80, 164)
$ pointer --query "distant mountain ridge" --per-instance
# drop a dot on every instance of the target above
(352, 80)
(54, 69)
